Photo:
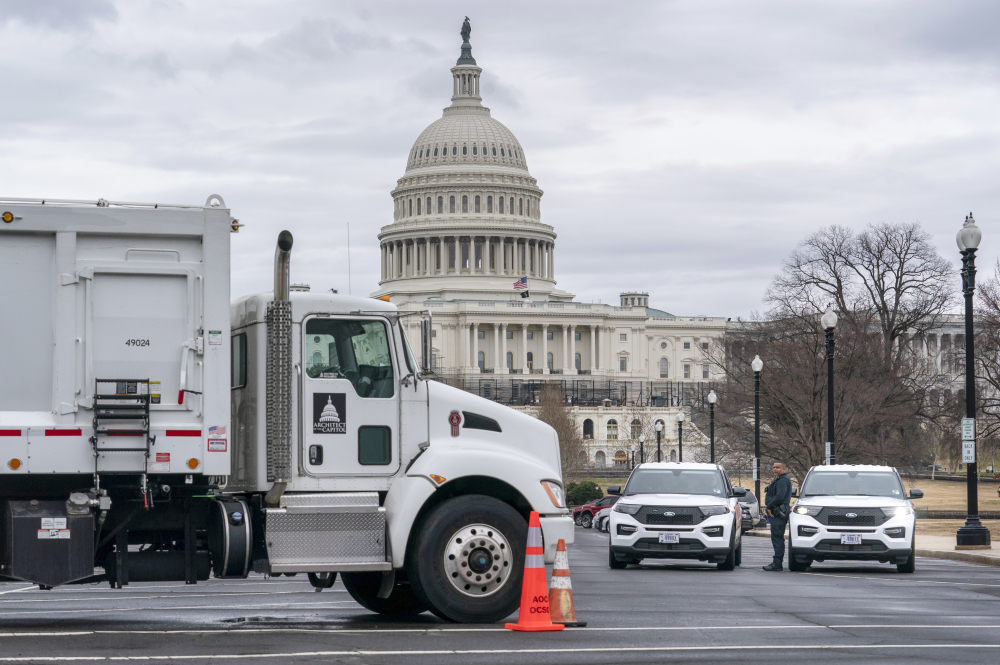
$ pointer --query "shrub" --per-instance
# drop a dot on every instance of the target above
(582, 492)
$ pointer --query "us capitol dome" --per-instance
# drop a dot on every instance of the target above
(467, 212)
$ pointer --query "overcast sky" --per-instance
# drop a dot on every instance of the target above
(684, 147)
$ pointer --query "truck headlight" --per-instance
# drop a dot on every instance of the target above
(555, 492)
(896, 511)
(627, 508)
(807, 510)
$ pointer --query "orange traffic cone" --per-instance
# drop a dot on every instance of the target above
(561, 592)
(534, 614)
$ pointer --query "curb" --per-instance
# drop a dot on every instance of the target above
(758, 533)
(967, 557)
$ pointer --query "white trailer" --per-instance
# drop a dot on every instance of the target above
(332, 453)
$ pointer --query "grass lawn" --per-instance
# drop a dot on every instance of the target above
(950, 527)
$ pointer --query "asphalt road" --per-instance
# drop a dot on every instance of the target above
(947, 611)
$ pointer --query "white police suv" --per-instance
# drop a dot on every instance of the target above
(677, 511)
(856, 512)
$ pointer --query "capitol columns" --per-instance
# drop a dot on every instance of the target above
(524, 349)
(496, 348)
(565, 349)
(474, 328)
(503, 348)
(545, 348)
(572, 350)
(593, 348)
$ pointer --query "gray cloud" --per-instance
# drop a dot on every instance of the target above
(57, 14)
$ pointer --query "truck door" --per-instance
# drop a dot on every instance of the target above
(350, 400)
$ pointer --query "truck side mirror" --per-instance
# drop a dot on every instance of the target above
(425, 342)
(916, 494)
(615, 490)
(795, 491)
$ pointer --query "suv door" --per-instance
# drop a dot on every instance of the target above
(350, 397)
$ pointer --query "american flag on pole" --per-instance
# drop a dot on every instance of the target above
(521, 284)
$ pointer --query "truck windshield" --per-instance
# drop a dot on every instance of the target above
(676, 481)
(857, 483)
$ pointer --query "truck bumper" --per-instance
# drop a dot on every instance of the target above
(554, 528)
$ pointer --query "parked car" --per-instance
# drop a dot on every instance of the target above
(677, 511)
(602, 518)
(751, 508)
(852, 512)
(584, 515)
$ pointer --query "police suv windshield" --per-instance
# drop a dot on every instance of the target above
(676, 481)
(855, 483)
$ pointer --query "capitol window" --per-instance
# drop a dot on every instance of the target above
(548, 359)
(531, 360)
(451, 255)
(435, 152)
(481, 334)
(501, 152)
(465, 204)
(474, 149)
(623, 364)
(548, 335)
(664, 368)
(576, 361)
(418, 206)
(494, 151)
(454, 150)
(500, 203)
(465, 255)
(451, 204)
(411, 207)
(531, 335)
(489, 204)
(421, 153)
(482, 360)
(704, 371)
(520, 206)
(477, 203)
(434, 333)
(613, 430)
(428, 205)
(622, 337)
(687, 345)
(440, 204)
(663, 345)
(465, 150)
(511, 205)
(510, 334)
(687, 371)
(704, 346)
(576, 336)
(510, 359)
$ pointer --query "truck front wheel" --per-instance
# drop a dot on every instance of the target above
(364, 587)
(466, 559)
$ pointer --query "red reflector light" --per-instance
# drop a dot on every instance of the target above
(63, 432)
(10, 432)
(180, 396)
(183, 432)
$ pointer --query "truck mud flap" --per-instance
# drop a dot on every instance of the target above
(44, 545)
(338, 531)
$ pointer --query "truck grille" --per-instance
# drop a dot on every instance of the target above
(685, 545)
(657, 515)
(842, 517)
(835, 546)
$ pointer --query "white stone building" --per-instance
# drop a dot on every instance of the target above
(467, 225)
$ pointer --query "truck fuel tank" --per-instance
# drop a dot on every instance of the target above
(46, 545)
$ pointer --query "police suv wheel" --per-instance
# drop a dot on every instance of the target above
(466, 559)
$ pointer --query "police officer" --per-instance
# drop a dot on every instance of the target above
(776, 502)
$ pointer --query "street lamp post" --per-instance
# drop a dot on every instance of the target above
(659, 431)
(972, 534)
(633, 455)
(756, 365)
(642, 453)
(711, 425)
(680, 436)
(829, 321)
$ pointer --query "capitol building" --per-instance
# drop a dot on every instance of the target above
(467, 230)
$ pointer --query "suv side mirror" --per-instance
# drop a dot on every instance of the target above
(739, 491)
(615, 490)
(795, 491)
(916, 494)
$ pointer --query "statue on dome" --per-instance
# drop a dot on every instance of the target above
(466, 30)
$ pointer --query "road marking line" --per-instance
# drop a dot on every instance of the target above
(24, 588)
(890, 579)
(184, 607)
(177, 596)
(380, 631)
(464, 652)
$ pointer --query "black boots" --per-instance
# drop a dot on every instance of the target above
(773, 566)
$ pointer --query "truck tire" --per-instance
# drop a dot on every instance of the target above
(364, 587)
(480, 536)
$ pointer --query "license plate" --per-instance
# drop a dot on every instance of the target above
(670, 538)
(850, 539)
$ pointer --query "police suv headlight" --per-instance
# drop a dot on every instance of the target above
(896, 511)
(712, 531)
(627, 508)
(808, 510)
(555, 492)
(708, 511)
(626, 529)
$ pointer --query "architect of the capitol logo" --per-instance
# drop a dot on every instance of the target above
(329, 413)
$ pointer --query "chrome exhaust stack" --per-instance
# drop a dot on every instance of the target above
(279, 374)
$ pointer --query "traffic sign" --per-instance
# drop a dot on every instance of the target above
(968, 429)
(968, 452)
(829, 451)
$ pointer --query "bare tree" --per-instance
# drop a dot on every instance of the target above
(988, 353)
(553, 412)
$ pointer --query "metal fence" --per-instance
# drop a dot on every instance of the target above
(515, 391)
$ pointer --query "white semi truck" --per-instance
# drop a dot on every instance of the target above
(152, 430)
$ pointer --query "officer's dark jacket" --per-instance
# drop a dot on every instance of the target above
(778, 492)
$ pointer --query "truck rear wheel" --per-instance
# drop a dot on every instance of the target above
(364, 587)
(466, 559)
